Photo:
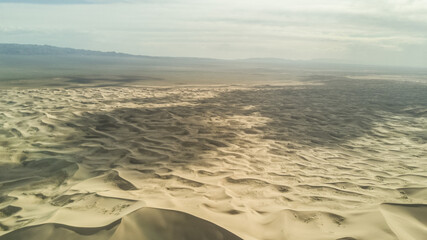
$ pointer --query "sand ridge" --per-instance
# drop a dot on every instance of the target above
(152, 224)
(331, 161)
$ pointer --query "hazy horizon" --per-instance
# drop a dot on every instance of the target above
(359, 32)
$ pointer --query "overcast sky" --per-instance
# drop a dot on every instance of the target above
(391, 32)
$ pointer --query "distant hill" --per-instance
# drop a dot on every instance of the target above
(21, 64)
(34, 50)
(30, 49)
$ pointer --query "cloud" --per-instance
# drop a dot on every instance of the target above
(62, 1)
(304, 29)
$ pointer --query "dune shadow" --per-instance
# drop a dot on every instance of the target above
(306, 116)
(336, 112)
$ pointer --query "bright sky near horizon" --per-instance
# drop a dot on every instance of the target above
(390, 32)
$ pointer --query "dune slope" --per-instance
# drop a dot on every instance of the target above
(144, 224)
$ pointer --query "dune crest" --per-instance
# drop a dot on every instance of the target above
(144, 224)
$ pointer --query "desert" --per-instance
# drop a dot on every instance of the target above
(325, 158)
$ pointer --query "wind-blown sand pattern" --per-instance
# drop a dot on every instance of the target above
(335, 160)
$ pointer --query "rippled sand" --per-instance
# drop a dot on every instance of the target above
(337, 160)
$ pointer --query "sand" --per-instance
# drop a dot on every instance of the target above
(333, 160)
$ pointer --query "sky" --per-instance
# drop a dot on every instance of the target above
(380, 32)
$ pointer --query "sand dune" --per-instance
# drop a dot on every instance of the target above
(407, 221)
(337, 160)
(151, 224)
